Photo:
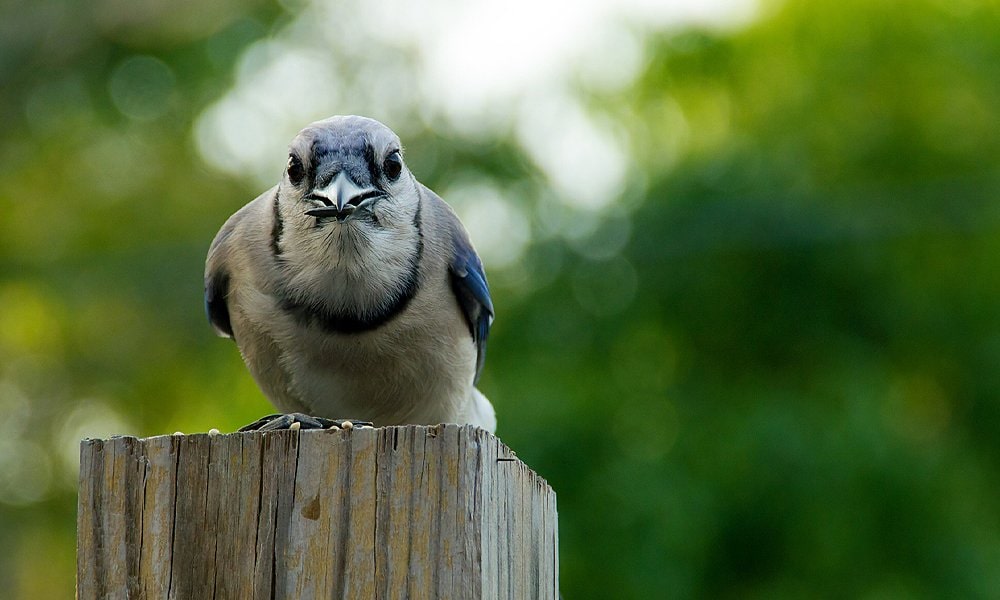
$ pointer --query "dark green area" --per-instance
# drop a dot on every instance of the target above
(799, 399)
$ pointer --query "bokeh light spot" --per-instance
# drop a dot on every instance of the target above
(141, 87)
(499, 229)
(89, 418)
(25, 472)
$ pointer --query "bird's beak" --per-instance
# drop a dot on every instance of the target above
(341, 196)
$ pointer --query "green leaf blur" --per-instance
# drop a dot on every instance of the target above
(768, 369)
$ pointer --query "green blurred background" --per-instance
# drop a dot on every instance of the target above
(745, 258)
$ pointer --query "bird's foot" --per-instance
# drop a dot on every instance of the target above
(301, 421)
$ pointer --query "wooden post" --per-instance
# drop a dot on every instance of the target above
(395, 512)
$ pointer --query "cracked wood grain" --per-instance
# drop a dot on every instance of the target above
(398, 512)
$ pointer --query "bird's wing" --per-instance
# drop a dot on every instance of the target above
(216, 289)
(217, 275)
(468, 282)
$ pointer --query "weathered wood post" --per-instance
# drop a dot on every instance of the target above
(395, 512)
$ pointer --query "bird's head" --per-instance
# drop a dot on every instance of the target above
(347, 171)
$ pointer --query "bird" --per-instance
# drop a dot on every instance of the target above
(353, 290)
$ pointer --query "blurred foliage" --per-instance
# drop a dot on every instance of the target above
(770, 371)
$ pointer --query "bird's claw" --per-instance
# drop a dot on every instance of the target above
(301, 421)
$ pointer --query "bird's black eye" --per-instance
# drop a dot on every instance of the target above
(393, 165)
(296, 171)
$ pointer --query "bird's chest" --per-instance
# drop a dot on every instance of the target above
(416, 362)
(354, 272)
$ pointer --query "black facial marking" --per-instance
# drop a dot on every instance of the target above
(365, 196)
(370, 160)
(277, 228)
(418, 224)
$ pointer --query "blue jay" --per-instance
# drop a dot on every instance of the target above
(351, 289)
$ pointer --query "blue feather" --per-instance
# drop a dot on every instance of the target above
(473, 292)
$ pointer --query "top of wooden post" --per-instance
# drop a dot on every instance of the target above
(415, 511)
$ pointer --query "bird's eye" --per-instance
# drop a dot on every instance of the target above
(393, 165)
(296, 171)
